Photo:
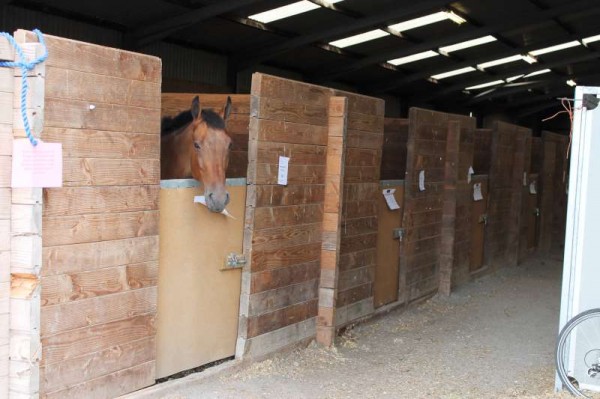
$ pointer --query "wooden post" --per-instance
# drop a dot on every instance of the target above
(449, 207)
(6, 95)
(26, 243)
(332, 219)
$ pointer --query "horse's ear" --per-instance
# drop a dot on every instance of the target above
(227, 109)
(196, 107)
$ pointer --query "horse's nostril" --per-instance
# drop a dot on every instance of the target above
(210, 195)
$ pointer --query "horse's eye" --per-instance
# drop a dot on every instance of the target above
(196, 145)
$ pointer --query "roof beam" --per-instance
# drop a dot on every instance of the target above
(150, 33)
(514, 23)
(424, 74)
(258, 55)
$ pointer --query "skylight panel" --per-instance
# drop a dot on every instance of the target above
(540, 72)
(591, 39)
(558, 47)
(506, 60)
(286, 11)
(413, 57)
(360, 38)
(467, 44)
(427, 20)
(453, 73)
(513, 78)
(483, 85)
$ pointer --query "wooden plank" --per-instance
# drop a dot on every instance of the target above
(6, 139)
(174, 103)
(86, 57)
(83, 200)
(288, 215)
(4, 235)
(279, 298)
(111, 385)
(74, 343)
(96, 255)
(284, 257)
(99, 310)
(300, 154)
(67, 113)
(267, 195)
(62, 375)
(281, 318)
(280, 237)
(277, 278)
(5, 203)
(297, 174)
(84, 86)
(83, 143)
(286, 89)
(5, 170)
(287, 132)
(283, 110)
(62, 288)
(63, 230)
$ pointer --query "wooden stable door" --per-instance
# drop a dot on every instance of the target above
(478, 223)
(198, 297)
(387, 270)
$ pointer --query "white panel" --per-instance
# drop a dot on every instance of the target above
(581, 273)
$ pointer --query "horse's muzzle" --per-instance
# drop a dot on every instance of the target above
(216, 201)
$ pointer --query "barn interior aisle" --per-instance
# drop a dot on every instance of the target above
(493, 337)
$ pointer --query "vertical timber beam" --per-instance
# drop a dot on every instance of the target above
(449, 207)
(6, 116)
(332, 219)
(26, 244)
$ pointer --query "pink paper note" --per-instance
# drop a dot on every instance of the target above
(39, 166)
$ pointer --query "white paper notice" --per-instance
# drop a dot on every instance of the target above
(422, 180)
(477, 196)
(201, 199)
(39, 166)
(282, 174)
(390, 199)
(532, 188)
(470, 173)
(524, 179)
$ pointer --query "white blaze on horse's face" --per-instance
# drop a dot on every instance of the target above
(210, 155)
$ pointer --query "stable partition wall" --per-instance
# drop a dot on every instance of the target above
(424, 197)
(295, 270)
(505, 192)
(83, 302)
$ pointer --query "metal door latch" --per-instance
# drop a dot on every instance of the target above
(235, 261)
(398, 233)
(536, 212)
(483, 219)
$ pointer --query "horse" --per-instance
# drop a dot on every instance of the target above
(195, 144)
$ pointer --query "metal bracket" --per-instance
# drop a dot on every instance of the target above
(398, 233)
(235, 261)
(483, 219)
(536, 212)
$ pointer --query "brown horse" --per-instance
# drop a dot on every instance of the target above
(195, 144)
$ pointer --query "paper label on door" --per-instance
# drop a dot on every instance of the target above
(470, 173)
(477, 196)
(524, 179)
(388, 194)
(422, 180)
(282, 174)
(532, 188)
(39, 166)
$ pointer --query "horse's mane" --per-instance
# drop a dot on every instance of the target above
(169, 124)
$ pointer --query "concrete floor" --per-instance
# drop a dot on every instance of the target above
(492, 338)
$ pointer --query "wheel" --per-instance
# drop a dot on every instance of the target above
(578, 354)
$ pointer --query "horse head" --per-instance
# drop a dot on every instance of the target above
(210, 152)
